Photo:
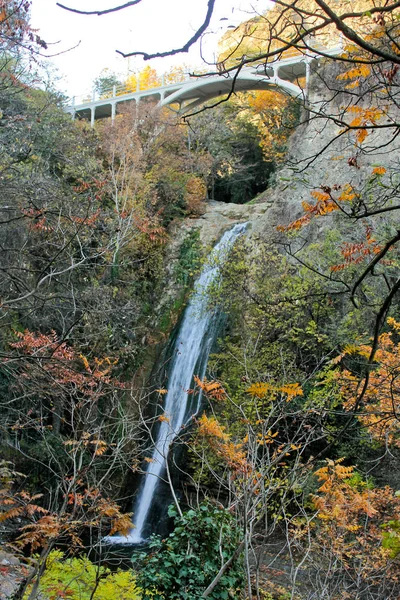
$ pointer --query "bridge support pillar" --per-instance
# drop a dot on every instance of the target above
(73, 111)
(113, 111)
(92, 116)
(308, 74)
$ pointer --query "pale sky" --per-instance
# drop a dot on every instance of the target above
(151, 26)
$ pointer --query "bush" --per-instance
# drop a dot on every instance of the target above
(186, 562)
(75, 579)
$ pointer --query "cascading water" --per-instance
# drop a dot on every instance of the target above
(194, 341)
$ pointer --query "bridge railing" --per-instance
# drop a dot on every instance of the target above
(126, 88)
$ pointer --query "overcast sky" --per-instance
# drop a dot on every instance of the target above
(151, 26)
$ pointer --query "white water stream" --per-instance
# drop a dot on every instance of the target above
(193, 345)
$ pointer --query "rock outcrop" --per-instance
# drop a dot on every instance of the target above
(320, 154)
(12, 574)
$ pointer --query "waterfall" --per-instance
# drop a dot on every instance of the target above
(193, 345)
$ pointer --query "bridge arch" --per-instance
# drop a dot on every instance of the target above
(201, 90)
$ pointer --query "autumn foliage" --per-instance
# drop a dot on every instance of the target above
(90, 280)
(15, 30)
(232, 454)
(350, 532)
(379, 412)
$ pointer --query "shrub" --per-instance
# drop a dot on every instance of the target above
(186, 562)
(76, 578)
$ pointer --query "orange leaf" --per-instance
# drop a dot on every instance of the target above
(361, 135)
(379, 171)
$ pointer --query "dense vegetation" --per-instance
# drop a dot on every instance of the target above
(291, 473)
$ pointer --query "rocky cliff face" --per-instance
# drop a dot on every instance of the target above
(12, 574)
(221, 216)
(319, 155)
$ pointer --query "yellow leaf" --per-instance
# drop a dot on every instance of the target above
(292, 390)
(361, 70)
(356, 122)
(259, 390)
(353, 85)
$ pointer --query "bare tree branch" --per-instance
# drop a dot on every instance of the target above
(185, 47)
(350, 34)
(299, 41)
(222, 570)
(145, 55)
(99, 12)
(372, 264)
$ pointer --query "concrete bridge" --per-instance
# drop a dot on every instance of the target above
(186, 95)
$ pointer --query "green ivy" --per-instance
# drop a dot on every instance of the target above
(189, 258)
(184, 564)
(391, 537)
